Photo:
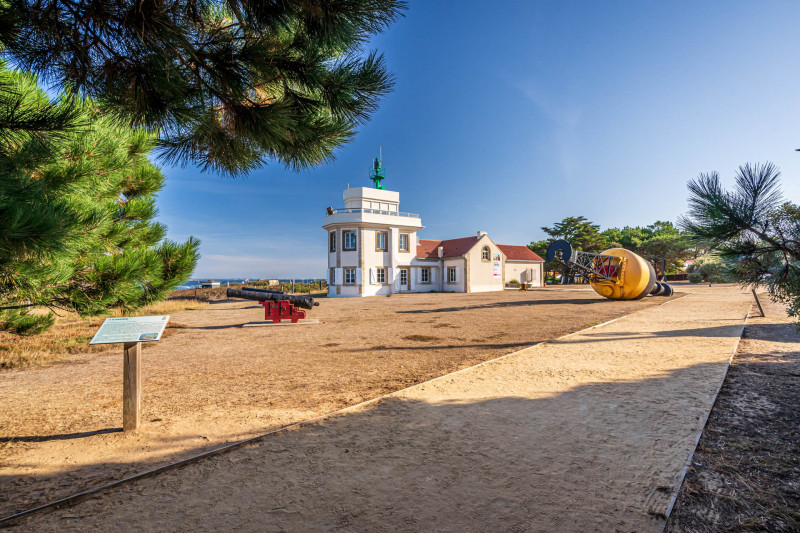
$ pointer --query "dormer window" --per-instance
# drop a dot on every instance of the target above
(485, 253)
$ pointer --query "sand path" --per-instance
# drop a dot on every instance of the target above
(587, 433)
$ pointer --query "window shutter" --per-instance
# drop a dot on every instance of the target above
(419, 275)
(372, 276)
(358, 276)
(390, 275)
(433, 275)
(337, 276)
(456, 272)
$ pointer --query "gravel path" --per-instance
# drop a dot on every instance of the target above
(589, 432)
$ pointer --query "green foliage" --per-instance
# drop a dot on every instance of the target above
(661, 243)
(228, 84)
(21, 322)
(28, 117)
(581, 234)
(752, 227)
(513, 282)
(710, 268)
(76, 224)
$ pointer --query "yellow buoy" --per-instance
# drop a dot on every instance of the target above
(633, 276)
(617, 273)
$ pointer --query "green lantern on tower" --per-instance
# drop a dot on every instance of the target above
(376, 173)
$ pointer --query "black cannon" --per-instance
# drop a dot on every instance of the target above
(263, 295)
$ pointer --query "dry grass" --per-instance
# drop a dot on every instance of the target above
(71, 334)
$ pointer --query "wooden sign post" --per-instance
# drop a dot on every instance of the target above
(131, 332)
(131, 386)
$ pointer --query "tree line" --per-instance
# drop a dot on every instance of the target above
(662, 243)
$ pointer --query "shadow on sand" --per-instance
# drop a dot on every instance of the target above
(599, 453)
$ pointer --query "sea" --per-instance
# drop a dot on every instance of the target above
(195, 283)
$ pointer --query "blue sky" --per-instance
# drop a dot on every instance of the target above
(508, 116)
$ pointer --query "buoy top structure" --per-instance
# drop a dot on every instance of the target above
(616, 273)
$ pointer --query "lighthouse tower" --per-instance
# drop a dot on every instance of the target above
(371, 243)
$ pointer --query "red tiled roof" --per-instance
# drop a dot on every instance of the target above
(519, 253)
(452, 247)
(429, 249)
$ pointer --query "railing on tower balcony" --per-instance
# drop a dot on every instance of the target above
(373, 211)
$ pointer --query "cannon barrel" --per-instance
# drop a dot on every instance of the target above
(255, 289)
(306, 302)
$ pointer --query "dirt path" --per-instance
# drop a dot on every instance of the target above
(745, 475)
(213, 382)
(590, 432)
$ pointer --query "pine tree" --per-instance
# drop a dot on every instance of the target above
(228, 84)
(752, 227)
(76, 221)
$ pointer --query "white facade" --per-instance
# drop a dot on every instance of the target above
(373, 250)
(371, 244)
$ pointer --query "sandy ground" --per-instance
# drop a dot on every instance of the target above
(213, 382)
(587, 433)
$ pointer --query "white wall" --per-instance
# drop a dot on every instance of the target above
(459, 285)
(522, 270)
(481, 273)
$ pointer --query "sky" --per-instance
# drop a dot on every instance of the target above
(507, 116)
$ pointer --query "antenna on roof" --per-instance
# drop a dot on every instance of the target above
(376, 172)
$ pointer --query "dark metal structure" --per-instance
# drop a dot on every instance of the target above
(261, 295)
(594, 266)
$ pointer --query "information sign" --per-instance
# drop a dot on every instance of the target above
(131, 329)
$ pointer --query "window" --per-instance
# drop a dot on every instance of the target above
(403, 245)
(349, 238)
(380, 241)
(380, 275)
(451, 275)
(425, 275)
(485, 253)
(332, 241)
(349, 276)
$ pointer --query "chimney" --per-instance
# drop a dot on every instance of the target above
(481, 234)
(441, 251)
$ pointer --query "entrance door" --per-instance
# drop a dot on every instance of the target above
(403, 279)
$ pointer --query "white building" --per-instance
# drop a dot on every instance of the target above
(373, 248)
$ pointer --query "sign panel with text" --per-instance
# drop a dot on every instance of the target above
(131, 329)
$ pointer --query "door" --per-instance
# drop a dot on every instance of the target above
(403, 279)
